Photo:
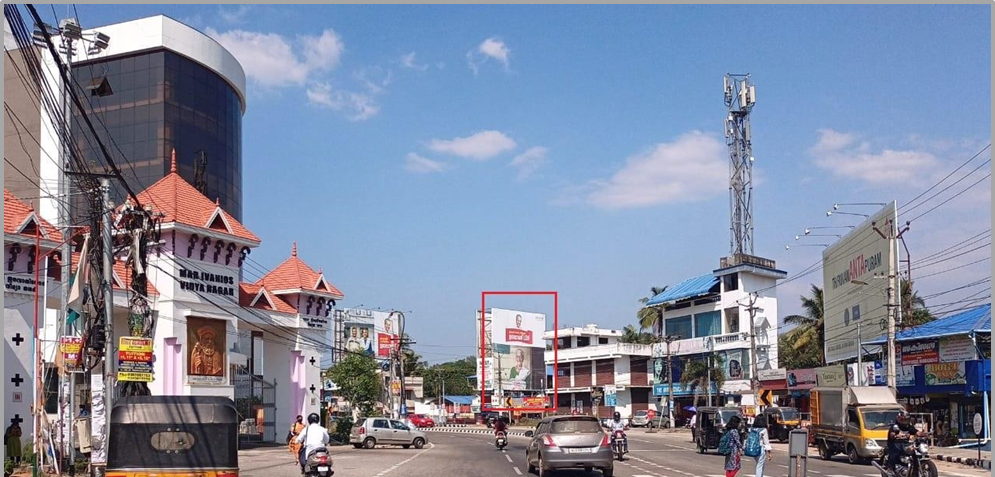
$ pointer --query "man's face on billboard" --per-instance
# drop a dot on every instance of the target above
(518, 321)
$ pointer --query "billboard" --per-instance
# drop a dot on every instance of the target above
(370, 332)
(518, 328)
(857, 271)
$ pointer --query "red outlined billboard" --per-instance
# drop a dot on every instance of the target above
(517, 336)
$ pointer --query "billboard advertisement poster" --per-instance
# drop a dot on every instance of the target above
(920, 352)
(831, 376)
(943, 374)
(985, 343)
(370, 332)
(957, 348)
(515, 367)
(518, 328)
(857, 272)
(801, 379)
(734, 362)
(905, 375)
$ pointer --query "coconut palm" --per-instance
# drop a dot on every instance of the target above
(696, 373)
(811, 324)
(914, 311)
(631, 335)
(651, 317)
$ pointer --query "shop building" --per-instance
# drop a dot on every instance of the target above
(598, 374)
(710, 316)
(945, 371)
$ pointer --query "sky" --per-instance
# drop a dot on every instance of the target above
(422, 154)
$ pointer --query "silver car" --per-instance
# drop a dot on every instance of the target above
(569, 442)
(370, 432)
(641, 419)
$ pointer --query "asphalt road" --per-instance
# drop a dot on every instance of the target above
(474, 455)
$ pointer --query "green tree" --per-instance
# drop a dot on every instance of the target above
(914, 311)
(358, 382)
(651, 317)
(696, 373)
(454, 374)
(810, 325)
(631, 335)
(807, 356)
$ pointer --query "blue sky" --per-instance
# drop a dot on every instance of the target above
(423, 154)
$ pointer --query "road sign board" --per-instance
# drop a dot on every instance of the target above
(766, 397)
(979, 424)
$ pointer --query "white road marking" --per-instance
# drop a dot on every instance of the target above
(517, 471)
(508, 457)
(405, 461)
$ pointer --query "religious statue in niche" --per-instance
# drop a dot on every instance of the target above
(207, 347)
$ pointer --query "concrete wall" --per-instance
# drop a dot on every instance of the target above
(18, 131)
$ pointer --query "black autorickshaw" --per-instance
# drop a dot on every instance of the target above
(710, 426)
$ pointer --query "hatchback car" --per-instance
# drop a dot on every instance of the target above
(370, 432)
(421, 420)
(641, 419)
(569, 442)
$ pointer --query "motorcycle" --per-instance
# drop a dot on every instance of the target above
(318, 464)
(619, 446)
(914, 463)
(501, 440)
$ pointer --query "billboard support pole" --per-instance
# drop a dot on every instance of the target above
(860, 358)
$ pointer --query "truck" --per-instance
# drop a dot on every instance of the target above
(853, 420)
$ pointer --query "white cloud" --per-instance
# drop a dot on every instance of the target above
(271, 60)
(236, 15)
(691, 168)
(422, 165)
(408, 61)
(492, 48)
(845, 155)
(480, 146)
(374, 79)
(529, 161)
(355, 106)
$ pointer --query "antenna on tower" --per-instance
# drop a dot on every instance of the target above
(740, 96)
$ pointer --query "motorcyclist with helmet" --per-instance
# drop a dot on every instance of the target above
(313, 436)
(899, 436)
(616, 424)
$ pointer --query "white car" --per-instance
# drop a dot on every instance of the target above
(641, 419)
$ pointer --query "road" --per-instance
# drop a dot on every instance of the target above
(474, 455)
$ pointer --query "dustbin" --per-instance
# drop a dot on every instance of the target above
(798, 453)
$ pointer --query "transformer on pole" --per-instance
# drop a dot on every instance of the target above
(740, 96)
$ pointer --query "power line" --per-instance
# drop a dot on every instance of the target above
(952, 197)
(975, 156)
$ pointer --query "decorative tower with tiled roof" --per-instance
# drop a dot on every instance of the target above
(303, 288)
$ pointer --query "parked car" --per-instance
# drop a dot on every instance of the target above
(370, 432)
(569, 442)
(421, 420)
(642, 419)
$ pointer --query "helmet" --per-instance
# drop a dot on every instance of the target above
(617, 416)
(313, 418)
(903, 417)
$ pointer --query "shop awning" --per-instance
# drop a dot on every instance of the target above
(971, 321)
(690, 288)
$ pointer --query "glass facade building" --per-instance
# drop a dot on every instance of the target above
(162, 100)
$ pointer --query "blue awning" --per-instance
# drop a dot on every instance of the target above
(690, 288)
(460, 400)
(974, 320)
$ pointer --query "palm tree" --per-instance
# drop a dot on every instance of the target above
(651, 317)
(914, 311)
(812, 323)
(631, 335)
(696, 373)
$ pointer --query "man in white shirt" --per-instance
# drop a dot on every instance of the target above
(313, 437)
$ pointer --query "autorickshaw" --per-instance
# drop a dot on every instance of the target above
(711, 425)
(781, 421)
(173, 436)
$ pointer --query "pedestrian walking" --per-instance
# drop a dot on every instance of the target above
(12, 442)
(295, 429)
(735, 446)
(758, 444)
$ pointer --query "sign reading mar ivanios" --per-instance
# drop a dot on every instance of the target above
(205, 282)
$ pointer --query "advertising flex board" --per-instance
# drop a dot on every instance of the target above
(920, 352)
(518, 328)
(370, 332)
(857, 272)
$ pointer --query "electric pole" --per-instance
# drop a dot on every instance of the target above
(670, 380)
(753, 345)
(894, 308)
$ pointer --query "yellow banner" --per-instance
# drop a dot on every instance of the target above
(129, 376)
(130, 343)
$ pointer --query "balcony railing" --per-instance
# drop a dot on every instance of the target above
(607, 351)
(702, 345)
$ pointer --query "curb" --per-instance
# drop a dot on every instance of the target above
(458, 430)
(970, 462)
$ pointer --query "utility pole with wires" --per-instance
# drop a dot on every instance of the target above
(752, 309)
(892, 235)
(670, 379)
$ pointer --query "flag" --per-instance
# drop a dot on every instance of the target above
(77, 295)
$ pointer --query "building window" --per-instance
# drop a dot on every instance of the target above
(680, 327)
(707, 324)
(563, 343)
(602, 340)
(583, 341)
(732, 320)
(730, 282)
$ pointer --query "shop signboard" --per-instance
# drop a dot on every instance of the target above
(71, 348)
(611, 395)
(957, 348)
(944, 374)
(831, 376)
(799, 379)
(679, 390)
(985, 344)
(854, 291)
(134, 359)
(772, 374)
(905, 375)
(916, 353)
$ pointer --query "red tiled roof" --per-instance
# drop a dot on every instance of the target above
(294, 274)
(122, 273)
(14, 214)
(181, 203)
(249, 291)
